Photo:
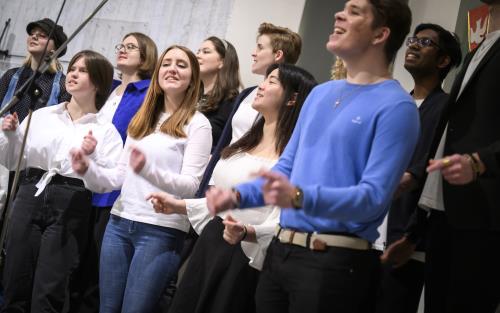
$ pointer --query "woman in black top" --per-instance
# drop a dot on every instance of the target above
(219, 71)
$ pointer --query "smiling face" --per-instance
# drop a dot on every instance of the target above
(78, 80)
(175, 73)
(128, 58)
(210, 61)
(353, 32)
(263, 55)
(36, 41)
(270, 95)
(420, 60)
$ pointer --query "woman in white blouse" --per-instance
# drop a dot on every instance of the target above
(50, 216)
(220, 276)
(167, 148)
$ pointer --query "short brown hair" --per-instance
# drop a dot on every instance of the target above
(148, 53)
(100, 74)
(144, 121)
(283, 39)
(395, 15)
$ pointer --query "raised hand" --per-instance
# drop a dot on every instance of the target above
(89, 143)
(10, 122)
(456, 169)
(277, 190)
(219, 200)
(137, 159)
(79, 161)
(234, 231)
(166, 203)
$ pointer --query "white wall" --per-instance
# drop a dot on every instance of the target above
(442, 12)
(245, 20)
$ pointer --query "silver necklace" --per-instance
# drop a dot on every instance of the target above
(346, 95)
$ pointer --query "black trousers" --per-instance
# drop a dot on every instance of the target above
(47, 235)
(297, 279)
(85, 281)
(401, 288)
(462, 268)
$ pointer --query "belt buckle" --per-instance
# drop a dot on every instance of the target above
(317, 244)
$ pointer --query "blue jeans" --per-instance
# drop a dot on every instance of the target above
(138, 260)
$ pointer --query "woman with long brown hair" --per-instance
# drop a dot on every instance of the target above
(220, 74)
(167, 148)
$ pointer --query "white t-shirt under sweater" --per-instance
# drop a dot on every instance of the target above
(52, 135)
(228, 173)
(244, 117)
(173, 165)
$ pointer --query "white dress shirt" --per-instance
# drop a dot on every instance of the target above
(51, 136)
(107, 112)
(173, 165)
(227, 173)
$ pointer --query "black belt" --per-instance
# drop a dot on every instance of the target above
(31, 174)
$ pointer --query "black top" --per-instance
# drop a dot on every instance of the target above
(224, 140)
(44, 82)
(403, 208)
(218, 119)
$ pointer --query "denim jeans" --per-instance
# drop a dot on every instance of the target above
(138, 260)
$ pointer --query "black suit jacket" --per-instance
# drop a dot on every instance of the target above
(403, 209)
(224, 140)
(474, 126)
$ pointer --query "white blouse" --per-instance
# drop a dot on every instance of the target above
(174, 165)
(51, 136)
(228, 173)
(107, 112)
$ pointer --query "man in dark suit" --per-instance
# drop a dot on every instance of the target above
(431, 52)
(464, 182)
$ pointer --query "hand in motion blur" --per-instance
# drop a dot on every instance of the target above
(79, 161)
(10, 122)
(137, 159)
(166, 203)
(89, 143)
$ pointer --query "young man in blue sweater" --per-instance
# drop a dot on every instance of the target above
(335, 180)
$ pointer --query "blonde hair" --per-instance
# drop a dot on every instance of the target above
(55, 65)
(144, 121)
(338, 69)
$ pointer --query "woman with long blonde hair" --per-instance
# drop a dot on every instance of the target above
(167, 148)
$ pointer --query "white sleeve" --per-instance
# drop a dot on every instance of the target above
(107, 170)
(10, 145)
(264, 232)
(197, 212)
(196, 155)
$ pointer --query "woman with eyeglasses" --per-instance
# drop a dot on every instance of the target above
(167, 148)
(136, 58)
(220, 74)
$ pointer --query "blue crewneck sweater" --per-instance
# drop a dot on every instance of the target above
(347, 158)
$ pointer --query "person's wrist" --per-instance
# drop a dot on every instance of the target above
(244, 233)
(474, 164)
(297, 198)
(236, 197)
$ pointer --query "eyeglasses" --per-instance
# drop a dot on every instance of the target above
(36, 34)
(128, 47)
(422, 42)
